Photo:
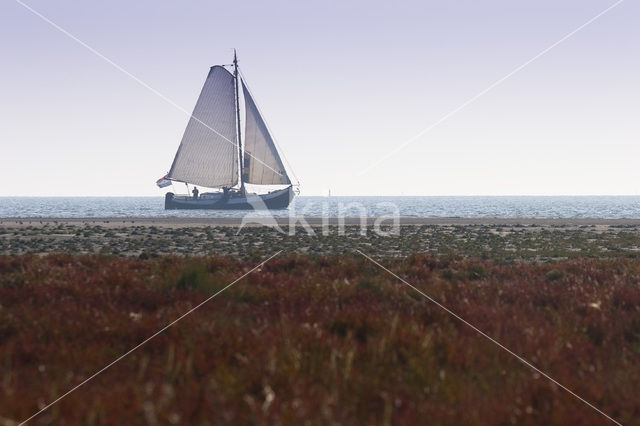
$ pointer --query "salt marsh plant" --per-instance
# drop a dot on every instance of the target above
(331, 338)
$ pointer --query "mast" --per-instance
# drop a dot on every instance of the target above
(240, 165)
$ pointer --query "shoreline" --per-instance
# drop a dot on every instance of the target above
(314, 221)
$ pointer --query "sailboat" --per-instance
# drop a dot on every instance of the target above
(219, 153)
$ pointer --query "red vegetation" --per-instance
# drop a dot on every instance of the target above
(326, 340)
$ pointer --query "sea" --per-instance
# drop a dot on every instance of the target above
(345, 206)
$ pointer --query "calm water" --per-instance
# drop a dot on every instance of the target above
(512, 206)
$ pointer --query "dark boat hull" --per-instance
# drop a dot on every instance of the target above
(275, 200)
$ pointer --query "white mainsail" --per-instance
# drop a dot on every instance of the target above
(262, 163)
(207, 155)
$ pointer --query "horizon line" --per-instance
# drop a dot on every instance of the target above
(343, 196)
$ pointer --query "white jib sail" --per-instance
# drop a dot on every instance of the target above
(263, 165)
(208, 152)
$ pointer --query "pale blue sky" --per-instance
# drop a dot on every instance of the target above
(340, 85)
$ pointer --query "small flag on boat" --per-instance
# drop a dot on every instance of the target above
(163, 182)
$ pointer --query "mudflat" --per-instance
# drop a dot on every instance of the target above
(500, 239)
(311, 220)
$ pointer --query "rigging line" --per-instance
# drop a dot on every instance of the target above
(280, 151)
(127, 73)
(483, 92)
(151, 337)
(491, 339)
